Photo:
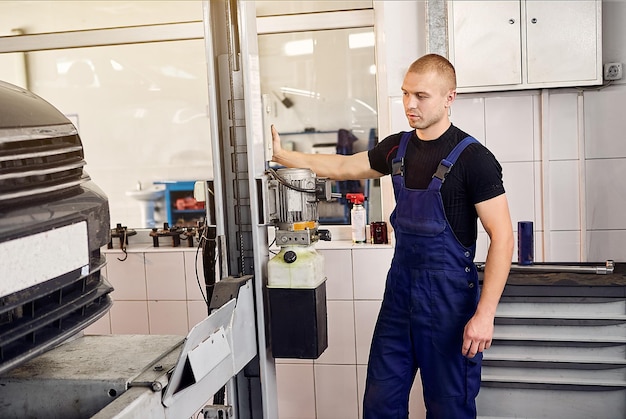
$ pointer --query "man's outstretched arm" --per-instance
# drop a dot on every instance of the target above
(332, 166)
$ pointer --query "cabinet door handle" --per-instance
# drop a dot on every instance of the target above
(533, 20)
(511, 21)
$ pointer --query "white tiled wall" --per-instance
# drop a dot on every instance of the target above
(155, 293)
(563, 162)
(296, 385)
(336, 391)
(509, 127)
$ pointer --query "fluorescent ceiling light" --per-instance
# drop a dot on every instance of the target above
(365, 105)
(361, 40)
(300, 92)
(116, 66)
(301, 47)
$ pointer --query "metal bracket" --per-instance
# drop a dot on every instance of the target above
(217, 412)
(227, 289)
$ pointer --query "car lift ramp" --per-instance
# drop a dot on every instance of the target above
(136, 376)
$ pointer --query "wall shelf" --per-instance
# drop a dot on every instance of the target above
(185, 217)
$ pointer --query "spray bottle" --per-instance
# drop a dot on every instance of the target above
(357, 217)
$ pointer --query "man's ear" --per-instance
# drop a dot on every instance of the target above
(450, 96)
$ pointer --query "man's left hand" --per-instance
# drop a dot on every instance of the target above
(477, 335)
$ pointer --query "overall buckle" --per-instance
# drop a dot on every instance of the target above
(397, 167)
(442, 170)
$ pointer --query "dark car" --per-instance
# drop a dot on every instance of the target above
(53, 222)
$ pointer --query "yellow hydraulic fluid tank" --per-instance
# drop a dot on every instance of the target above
(296, 267)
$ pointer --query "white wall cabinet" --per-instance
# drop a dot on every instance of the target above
(510, 45)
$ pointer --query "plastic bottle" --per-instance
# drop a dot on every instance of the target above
(357, 217)
(525, 247)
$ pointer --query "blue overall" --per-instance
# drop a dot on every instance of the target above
(431, 293)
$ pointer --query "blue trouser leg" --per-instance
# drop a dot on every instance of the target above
(443, 406)
(391, 368)
(411, 333)
(450, 380)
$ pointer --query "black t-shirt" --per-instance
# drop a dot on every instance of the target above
(475, 177)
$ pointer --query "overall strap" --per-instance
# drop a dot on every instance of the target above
(446, 164)
(397, 164)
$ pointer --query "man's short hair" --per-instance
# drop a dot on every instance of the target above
(437, 64)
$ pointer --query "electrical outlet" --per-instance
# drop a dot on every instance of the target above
(612, 71)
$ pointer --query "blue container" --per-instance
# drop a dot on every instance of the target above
(525, 243)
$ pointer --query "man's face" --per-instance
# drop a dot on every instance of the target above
(426, 99)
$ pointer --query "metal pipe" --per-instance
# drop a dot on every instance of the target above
(25, 61)
(553, 268)
(582, 175)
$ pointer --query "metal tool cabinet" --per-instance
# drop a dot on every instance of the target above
(559, 348)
